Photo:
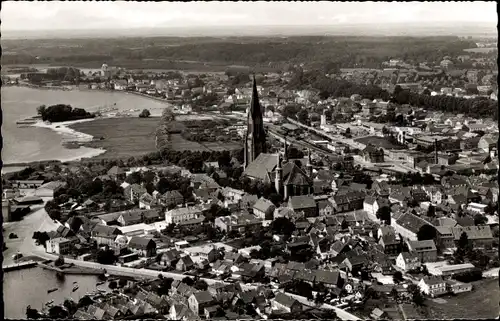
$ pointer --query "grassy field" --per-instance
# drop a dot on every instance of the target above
(481, 303)
(123, 137)
(378, 142)
(177, 142)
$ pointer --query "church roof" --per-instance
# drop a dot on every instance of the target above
(263, 164)
(293, 175)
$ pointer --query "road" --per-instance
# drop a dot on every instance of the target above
(342, 314)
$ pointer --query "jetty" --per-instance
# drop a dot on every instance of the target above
(19, 266)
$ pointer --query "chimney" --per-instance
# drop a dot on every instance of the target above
(436, 151)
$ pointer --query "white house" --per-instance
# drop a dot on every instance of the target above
(182, 214)
(432, 286)
(476, 207)
(58, 245)
(407, 261)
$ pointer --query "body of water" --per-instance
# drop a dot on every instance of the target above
(29, 287)
(29, 144)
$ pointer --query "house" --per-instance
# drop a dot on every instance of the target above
(132, 217)
(303, 204)
(116, 173)
(391, 245)
(58, 245)
(170, 257)
(479, 236)
(355, 263)
(432, 286)
(199, 301)
(264, 209)
(408, 225)
(408, 261)
(286, 303)
(371, 205)
(105, 235)
(172, 198)
(348, 201)
(182, 214)
(330, 279)
(146, 201)
(444, 238)
(133, 192)
(205, 252)
(145, 246)
(425, 250)
(47, 190)
(382, 188)
(325, 208)
(237, 222)
(185, 263)
(373, 155)
(456, 287)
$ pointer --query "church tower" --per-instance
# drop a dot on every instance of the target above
(278, 180)
(255, 136)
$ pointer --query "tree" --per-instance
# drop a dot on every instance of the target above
(106, 256)
(303, 117)
(431, 211)
(113, 285)
(188, 281)
(344, 225)
(70, 306)
(145, 113)
(417, 296)
(32, 313)
(384, 214)
(283, 225)
(480, 219)
(201, 285)
(397, 277)
(59, 261)
(426, 232)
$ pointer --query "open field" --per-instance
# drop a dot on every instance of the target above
(177, 142)
(123, 137)
(378, 142)
(481, 50)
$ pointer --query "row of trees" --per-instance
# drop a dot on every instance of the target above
(479, 107)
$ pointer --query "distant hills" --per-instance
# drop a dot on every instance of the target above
(383, 29)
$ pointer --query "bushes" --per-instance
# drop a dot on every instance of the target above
(469, 276)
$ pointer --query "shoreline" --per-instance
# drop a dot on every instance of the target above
(62, 128)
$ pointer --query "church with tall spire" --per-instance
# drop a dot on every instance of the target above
(276, 169)
(255, 136)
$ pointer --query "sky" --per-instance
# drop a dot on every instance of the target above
(53, 15)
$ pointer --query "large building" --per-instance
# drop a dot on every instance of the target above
(288, 178)
(255, 136)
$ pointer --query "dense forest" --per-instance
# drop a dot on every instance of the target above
(251, 51)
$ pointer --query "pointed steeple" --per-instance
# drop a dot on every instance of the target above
(254, 110)
(278, 179)
(255, 140)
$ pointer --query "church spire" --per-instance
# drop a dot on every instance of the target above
(255, 139)
(285, 154)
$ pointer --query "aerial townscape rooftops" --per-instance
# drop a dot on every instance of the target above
(219, 176)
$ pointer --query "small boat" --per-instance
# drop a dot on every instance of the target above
(75, 282)
(106, 275)
(100, 283)
(50, 302)
(52, 290)
(75, 288)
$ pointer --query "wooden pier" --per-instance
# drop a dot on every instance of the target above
(19, 266)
